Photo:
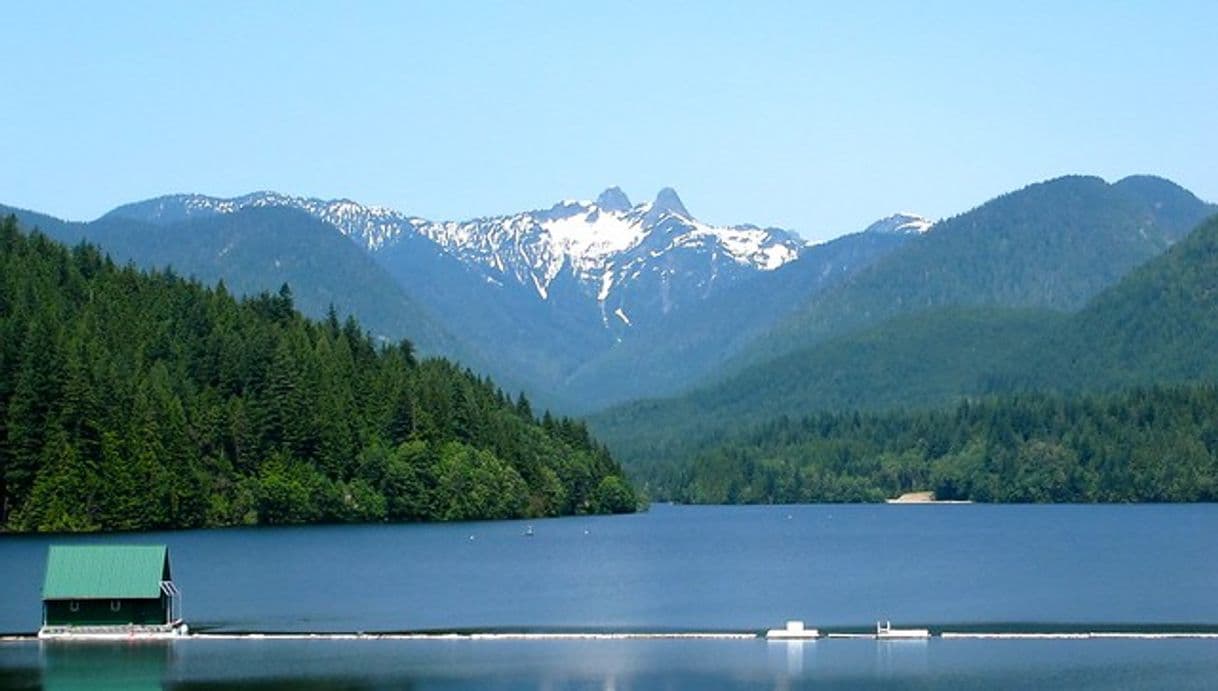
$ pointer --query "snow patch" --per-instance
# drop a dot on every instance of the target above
(541, 289)
(606, 284)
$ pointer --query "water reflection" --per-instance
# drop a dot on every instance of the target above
(787, 657)
(787, 661)
(901, 658)
(609, 665)
(136, 666)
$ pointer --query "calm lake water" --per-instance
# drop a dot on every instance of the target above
(957, 567)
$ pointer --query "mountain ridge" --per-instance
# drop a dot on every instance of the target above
(590, 303)
(604, 246)
(546, 294)
(259, 249)
(1049, 245)
(797, 379)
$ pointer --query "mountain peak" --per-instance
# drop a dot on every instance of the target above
(900, 224)
(667, 200)
(613, 199)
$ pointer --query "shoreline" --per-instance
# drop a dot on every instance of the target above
(924, 498)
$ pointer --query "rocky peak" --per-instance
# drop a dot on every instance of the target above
(667, 200)
(613, 199)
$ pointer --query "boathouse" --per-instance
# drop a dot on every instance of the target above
(100, 587)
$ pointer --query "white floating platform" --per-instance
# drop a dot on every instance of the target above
(884, 631)
(503, 636)
(113, 633)
(794, 631)
(904, 634)
(1081, 636)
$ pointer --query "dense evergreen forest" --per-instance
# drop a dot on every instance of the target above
(136, 400)
(1152, 444)
(1157, 326)
(928, 359)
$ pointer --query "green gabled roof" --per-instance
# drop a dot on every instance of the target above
(82, 572)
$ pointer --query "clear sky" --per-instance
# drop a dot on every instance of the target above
(815, 116)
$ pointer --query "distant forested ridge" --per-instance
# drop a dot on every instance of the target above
(1115, 402)
(138, 400)
(1052, 245)
(1157, 326)
(1146, 445)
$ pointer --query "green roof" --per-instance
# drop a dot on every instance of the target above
(82, 572)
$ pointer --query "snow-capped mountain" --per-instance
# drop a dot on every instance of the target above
(901, 224)
(605, 242)
(598, 300)
(624, 258)
(371, 226)
(621, 256)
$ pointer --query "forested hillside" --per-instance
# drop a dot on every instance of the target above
(1060, 421)
(1052, 245)
(260, 249)
(926, 359)
(134, 400)
(1158, 325)
(1158, 444)
(1155, 326)
(695, 340)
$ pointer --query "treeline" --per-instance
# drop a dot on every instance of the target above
(133, 400)
(1146, 445)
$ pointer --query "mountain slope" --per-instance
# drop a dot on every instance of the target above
(1051, 245)
(1155, 329)
(139, 400)
(260, 249)
(607, 246)
(546, 293)
(925, 359)
(1139, 359)
(1158, 325)
(696, 340)
(590, 303)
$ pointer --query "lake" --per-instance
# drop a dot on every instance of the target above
(948, 567)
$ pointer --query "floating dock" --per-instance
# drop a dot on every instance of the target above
(786, 634)
(114, 633)
(794, 630)
(884, 630)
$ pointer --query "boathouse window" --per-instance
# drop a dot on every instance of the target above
(116, 605)
(74, 606)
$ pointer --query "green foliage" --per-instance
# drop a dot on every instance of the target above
(695, 338)
(1157, 444)
(1158, 325)
(614, 495)
(133, 401)
(1052, 245)
(930, 358)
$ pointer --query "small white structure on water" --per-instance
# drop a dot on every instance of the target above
(794, 631)
(885, 630)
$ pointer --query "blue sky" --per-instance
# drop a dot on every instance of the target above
(818, 117)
